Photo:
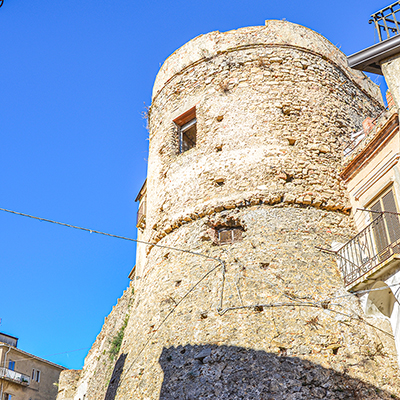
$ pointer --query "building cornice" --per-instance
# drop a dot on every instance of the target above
(142, 191)
(382, 136)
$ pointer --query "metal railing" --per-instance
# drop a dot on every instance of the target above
(386, 22)
(14, 376)
(371, 247)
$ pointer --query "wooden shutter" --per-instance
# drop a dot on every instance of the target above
(392, 220)
(378, 227)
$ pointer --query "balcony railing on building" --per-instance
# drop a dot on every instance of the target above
(14, 376)
(371, 250)
(386, 21)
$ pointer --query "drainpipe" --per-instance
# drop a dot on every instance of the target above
(5, 357)
(5, 361)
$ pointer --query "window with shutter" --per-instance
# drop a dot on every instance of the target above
(392, 220)
(385, 222)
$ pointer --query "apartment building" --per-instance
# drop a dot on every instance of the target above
(24, 376)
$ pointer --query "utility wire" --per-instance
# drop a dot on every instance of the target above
(296, 303)
(363, 291)
(50, 355)
(221, 262)
(111, 235)
(168, 315)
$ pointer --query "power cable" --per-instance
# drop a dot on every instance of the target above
(296, 303)
(221, 262)
(111, 235)
(48, 355)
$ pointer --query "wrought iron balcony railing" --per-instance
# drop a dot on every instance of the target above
(14, 376)
(371, 247)
(386, 22)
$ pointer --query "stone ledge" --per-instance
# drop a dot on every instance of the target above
(277, 199)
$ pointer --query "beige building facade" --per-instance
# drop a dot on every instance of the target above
(370, 262)
(24, 376)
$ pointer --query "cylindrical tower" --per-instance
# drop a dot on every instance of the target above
(247, 129)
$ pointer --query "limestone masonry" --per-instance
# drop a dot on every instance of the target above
(265, 113)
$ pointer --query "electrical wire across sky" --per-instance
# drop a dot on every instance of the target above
(167, 247)
(322, 304)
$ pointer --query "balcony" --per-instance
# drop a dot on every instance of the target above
(372, 253)
(386, 22)
(14, 376)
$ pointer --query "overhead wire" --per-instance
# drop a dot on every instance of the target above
(112, 235)
(221, 263)
(49, 355)
(296, 303)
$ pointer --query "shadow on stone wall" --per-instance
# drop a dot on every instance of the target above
(228, 372)
(115, 378)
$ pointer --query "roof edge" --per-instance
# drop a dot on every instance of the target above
(369, 59)
(33, 356)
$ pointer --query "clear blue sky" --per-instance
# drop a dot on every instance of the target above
(74, 77)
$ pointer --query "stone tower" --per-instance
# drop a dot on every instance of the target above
(247, 129)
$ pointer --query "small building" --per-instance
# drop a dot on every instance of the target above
(24, 376)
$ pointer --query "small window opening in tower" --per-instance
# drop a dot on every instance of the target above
(229, 235)
(187, 129)
(188, 136)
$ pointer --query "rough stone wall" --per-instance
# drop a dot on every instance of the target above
(276, 264)
(275, 106)
(272, 119)
(68, 384)
(391, 71)
(94, 379)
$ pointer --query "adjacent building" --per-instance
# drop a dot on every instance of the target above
(24, 376)
(371, 260)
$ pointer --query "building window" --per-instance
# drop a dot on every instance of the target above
(188, 136)
(187, 130)
(229, 235)
(37, 376)
(386, 225)
(11, 365)
(7, 396)
(141, 214)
